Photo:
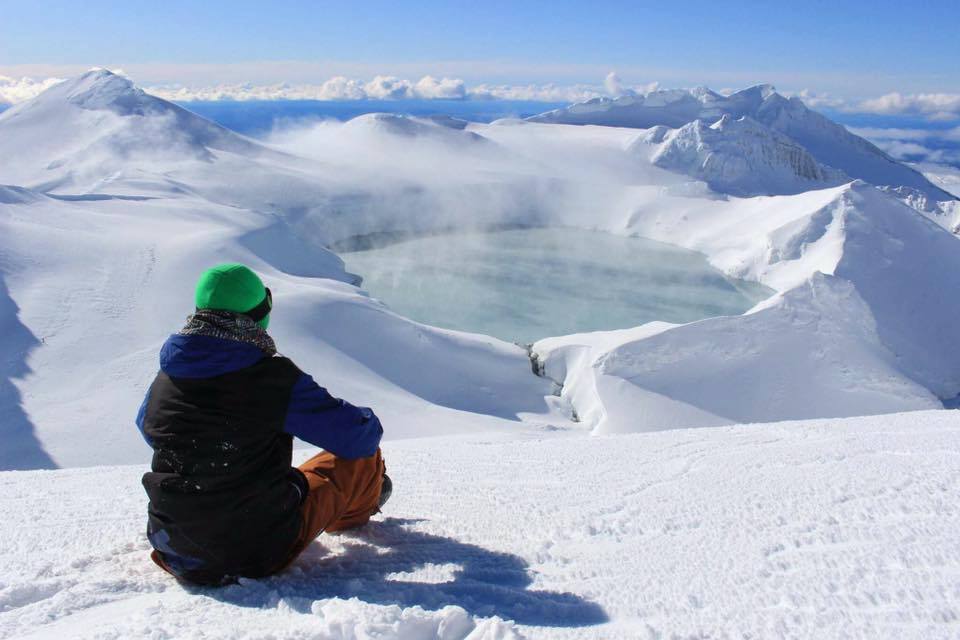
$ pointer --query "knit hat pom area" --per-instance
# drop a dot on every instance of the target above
(231, 287)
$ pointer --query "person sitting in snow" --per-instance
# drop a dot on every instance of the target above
(221, 415)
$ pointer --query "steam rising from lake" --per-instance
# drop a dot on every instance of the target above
(525, 284)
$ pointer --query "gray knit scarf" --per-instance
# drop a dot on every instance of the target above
(229, 326)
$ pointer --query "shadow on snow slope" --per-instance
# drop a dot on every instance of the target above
(21, 449)
(486, 583)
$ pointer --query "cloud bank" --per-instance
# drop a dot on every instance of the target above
(14, 90)
(926, 146)
(932, 106)
(935, 106)
(381, 87)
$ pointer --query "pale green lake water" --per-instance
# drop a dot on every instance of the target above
(525, 284)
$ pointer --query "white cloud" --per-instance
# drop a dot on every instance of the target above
(816, 100)
(878, 133)
(939, 106)
(942, 107)
(341, 88)
(391, 88)
(943, 116)
(388, 88)
(901, 149)
(448, 88)
(932, 146)
(537, 92)
(933, 106)
(13, 90)
(336, 88)
(613, 85)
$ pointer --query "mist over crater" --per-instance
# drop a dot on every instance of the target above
(521, 285)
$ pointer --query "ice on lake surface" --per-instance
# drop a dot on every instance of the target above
(525, 284)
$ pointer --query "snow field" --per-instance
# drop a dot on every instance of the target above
(817, 529)
(519, 526)
(97, 271)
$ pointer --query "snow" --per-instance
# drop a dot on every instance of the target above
(829, 143)
(92, 308)
(946, 176)
(795, 358)
(96, 271)
(97, 124)
(874, 336)
(827, 528)
(616, 493)
(742, 157)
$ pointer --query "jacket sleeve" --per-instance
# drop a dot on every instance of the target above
(141, 417)
(344, 430)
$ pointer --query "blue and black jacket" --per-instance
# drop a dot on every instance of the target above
(221, 416)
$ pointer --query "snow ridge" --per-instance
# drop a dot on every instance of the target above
(94, 125)
(742, 157)
(828, 142)
(442, 129)
(860, 327)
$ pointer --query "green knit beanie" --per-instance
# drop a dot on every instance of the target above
(231, 287)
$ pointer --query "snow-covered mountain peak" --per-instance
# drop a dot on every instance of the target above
(670, 107)
(393, 124)
(82, 130)
(829, 143)
(106, 90)
(704, 94)
(742, 156)
(388, 122)
(723, 122)
(761, 91)
(98, 89)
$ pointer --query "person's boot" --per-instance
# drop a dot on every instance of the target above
(385, 490)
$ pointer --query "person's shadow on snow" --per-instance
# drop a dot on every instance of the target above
(376, 568)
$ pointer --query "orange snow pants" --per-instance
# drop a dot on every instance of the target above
(343, 494)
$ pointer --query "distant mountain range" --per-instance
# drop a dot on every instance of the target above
(831, 145)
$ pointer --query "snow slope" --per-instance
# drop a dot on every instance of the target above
(947, 177)
(92, 307)
(829, 143)
(98, 258)
(822, 529)
(743, 157)
(97, 122)
(873, 336)
(507, 520)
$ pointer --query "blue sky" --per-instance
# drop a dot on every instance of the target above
(846, 48)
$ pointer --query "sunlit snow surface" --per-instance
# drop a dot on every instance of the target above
(525, 284)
